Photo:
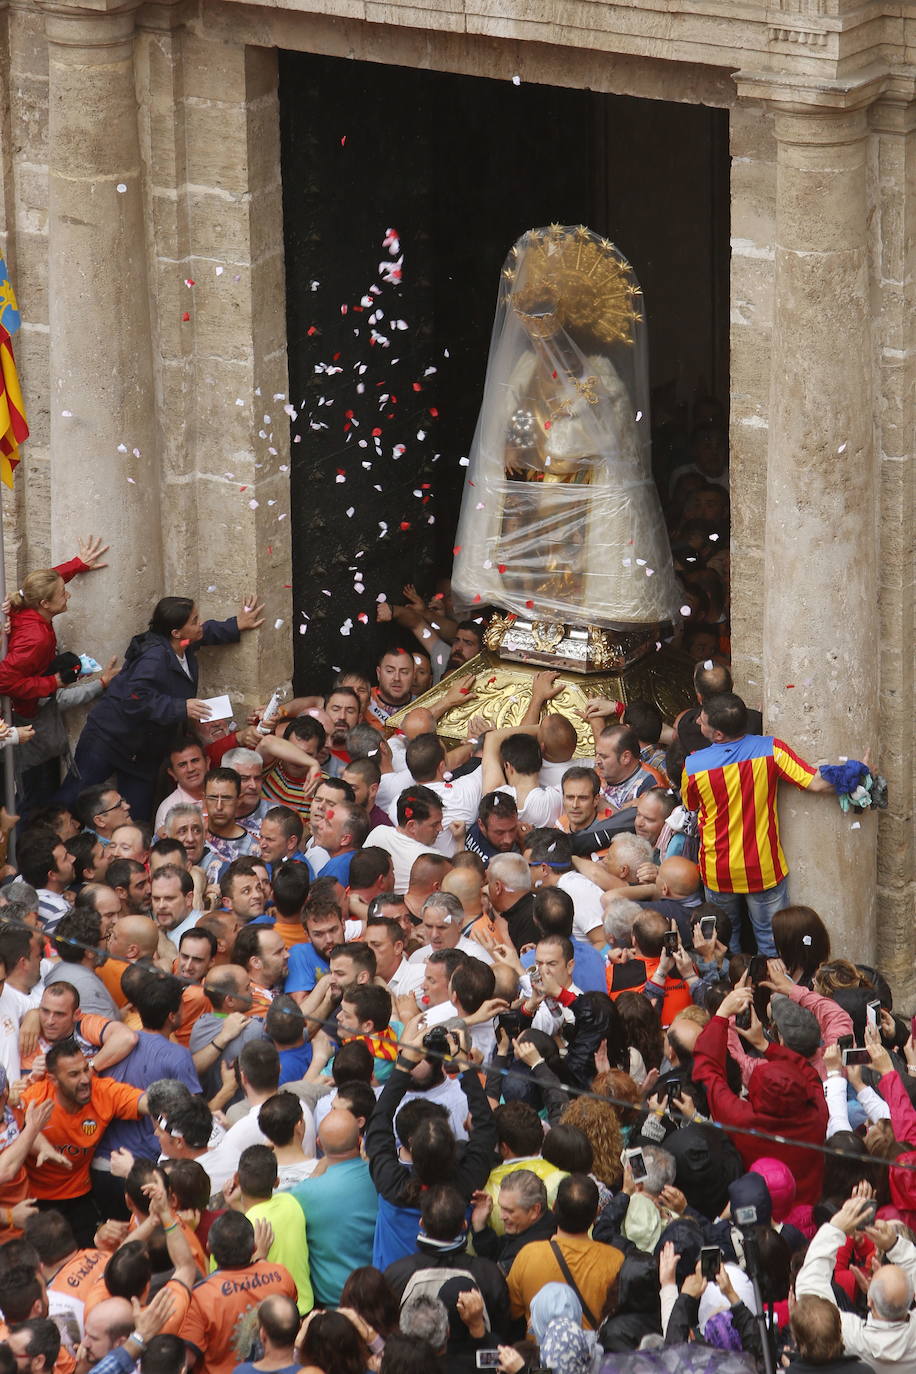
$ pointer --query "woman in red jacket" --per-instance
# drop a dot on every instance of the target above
(32, 646)
(31, 672)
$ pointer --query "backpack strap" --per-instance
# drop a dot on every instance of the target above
(567, 1274)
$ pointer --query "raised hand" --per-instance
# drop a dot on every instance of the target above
(92, 551)
(263, 1238)
(667, 1264)
(251, 616)
(481, 1210)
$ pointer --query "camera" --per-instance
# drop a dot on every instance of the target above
(758, 969)
(637, 1164)
(436, 1042)
(671, 941)
(873, 1013)
(488, 1359)
(746, 1216)
(856, 1056)
(710, 1262)
(675, 1087)
(510, 1022)
(707, 927)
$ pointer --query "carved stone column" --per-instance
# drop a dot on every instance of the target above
(820, 650)
(104, 443)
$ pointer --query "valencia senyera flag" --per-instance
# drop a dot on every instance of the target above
(14, 429)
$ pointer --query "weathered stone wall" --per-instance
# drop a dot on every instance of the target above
(24, 242)
(892, 190)
(753, 239)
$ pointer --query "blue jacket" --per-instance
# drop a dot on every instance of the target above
(144, 705)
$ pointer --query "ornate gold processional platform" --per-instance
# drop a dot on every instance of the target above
(591, 663)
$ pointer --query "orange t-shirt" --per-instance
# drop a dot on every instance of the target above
(69, 1292)
(215, 1323)
(77, 1275)
(88, 1031)
(291, 932)
(13, 1192)
(110, 974)
(98, 1292)
(633, 976)
(193, 1004)
(76, 1134)
(191, 1236)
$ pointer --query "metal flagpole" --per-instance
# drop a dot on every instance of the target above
(9, 780)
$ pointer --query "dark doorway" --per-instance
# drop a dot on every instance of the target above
(386, 376)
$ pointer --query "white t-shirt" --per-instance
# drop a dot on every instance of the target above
(10, 1015)
(222, 1162)
(449, 1094)
(404, 852)
(403, 980)
(551, 774)
(586, 897)
(471, 947)
(398, 746)
(460, 802)
(177, 798)
(391, 787)
(288, 1175)
(550, 1015)
(542, 805)
(439, 1014)
(317, 856)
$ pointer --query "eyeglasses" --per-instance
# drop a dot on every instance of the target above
(114, 807)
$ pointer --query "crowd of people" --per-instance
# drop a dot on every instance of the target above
(326, 1048)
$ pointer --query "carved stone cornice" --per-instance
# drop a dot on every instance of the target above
(101, 24)
(806, 94)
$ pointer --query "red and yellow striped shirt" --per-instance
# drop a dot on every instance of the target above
(733, 788)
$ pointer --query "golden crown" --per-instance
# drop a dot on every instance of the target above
(565, 277)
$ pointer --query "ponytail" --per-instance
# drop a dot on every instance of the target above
(170, 614)
(37, 587)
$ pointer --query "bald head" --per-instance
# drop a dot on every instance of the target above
(711, 681)
(678, 878)
(557, 738)
(134, 937)
(890, 1295)
(418, 721)
(108, 1324)
(683, 1034)
(228, 981)
(465, 884)
(339, 1134)
(428, 873)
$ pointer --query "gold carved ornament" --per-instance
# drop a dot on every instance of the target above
(496, 629)
(546, 634)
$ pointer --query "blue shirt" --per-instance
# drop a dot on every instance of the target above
(295, 1062)
(339, 868)
(304, 969)
(589, 969)
(340, 1209)
(299, 858)
(152, 1057)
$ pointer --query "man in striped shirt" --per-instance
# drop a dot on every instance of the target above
(732, 784)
